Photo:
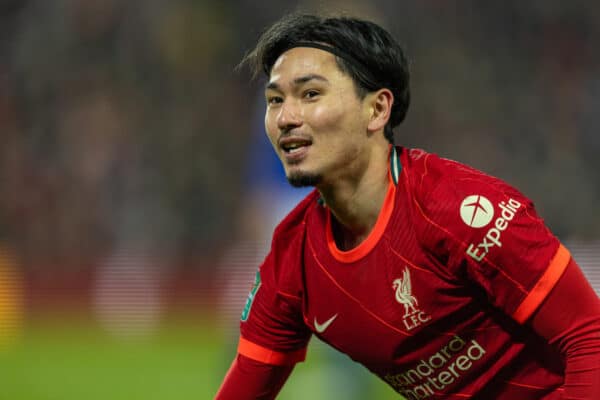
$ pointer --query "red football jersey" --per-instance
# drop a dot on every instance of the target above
(433, 301)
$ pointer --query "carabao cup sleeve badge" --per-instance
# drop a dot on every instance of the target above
(251, 296)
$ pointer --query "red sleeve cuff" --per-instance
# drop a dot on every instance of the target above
(544, 285)
(262, 354)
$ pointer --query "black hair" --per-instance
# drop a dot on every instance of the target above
(363, 50)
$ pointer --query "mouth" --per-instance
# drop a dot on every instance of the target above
(294, 149)
(294, 145)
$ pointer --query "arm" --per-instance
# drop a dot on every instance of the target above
(273, 334)
(249, 379)
(569, 319)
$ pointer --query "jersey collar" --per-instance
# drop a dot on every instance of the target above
(395, 165)
(385, 214)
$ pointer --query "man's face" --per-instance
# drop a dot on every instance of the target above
(316, 122)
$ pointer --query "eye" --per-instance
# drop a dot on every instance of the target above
(311, 94)
(274, 100)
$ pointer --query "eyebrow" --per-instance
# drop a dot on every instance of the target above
(299, 81)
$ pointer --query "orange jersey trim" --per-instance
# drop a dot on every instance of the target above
(262, 354)
(544, 285)
(369, 243)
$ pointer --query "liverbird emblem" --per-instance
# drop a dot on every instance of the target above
(403, 293)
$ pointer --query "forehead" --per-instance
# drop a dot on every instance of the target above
(300, 61)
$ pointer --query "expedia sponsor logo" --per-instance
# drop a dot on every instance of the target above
(430, 376)
(476, 211)
(493, 236)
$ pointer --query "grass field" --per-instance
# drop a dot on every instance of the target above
(68, 358)
(64, 359)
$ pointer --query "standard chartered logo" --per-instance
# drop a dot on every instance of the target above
(432, 375)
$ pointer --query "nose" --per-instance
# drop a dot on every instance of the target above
(289, 116)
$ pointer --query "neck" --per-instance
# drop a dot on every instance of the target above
(355, 200)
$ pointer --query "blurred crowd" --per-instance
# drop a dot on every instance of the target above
(124, 124)
(135, 173)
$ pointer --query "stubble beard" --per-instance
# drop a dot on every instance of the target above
(303, 179)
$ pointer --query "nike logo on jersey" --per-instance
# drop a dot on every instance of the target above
(322, 327)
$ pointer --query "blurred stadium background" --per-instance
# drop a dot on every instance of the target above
(138, 192)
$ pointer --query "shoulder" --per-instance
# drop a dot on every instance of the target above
(294, 222)
(283, 263)
(430, 174)
(454, 201)
(440, 185)
(482, 228)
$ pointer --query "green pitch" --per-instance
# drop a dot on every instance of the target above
(66, 358)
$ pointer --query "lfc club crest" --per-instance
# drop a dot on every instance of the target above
(413, 316)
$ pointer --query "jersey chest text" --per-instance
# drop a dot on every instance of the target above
(397, 318)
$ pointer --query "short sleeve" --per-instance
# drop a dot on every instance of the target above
(489, 233)
(272, 327)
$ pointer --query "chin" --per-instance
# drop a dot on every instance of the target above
(303, 179)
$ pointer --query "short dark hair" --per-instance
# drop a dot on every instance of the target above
(363, 50)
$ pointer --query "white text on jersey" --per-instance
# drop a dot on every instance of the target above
(492, 237)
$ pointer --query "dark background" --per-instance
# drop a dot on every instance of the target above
(136, 181)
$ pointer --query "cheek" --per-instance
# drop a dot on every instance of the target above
(328, 116)
(270, 127)
(340, 116)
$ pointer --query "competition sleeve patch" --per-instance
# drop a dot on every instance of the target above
(251, 297)
(544, 285)
(268, 356)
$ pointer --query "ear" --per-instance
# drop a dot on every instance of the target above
(380, 105)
